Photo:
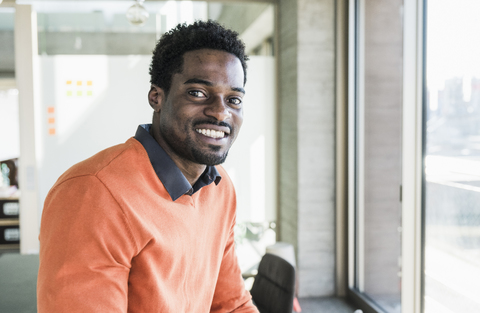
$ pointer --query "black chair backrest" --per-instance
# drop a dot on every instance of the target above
(274, 287)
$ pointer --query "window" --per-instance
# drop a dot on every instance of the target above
(437, 162)
(452, 157)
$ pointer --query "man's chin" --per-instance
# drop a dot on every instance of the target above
(209, 158)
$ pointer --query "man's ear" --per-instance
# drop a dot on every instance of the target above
(156, 97)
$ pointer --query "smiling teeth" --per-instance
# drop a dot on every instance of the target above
(211, 133)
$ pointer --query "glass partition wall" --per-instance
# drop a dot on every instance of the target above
(9, 128)
(452, 157)
(93, 69)
(9, 137)
(101, 27)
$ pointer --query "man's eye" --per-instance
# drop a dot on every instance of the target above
(235, 101)
(197, 94)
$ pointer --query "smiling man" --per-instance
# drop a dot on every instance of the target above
(147, 226)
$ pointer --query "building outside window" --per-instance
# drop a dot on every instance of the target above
(452, 157)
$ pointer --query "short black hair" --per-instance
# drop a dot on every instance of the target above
(168, 53)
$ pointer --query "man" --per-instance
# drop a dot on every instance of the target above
(147, 226)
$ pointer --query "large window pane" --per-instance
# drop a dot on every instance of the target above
(452, 188)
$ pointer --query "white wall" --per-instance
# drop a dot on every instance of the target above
(87, 118)
(109, 110)
(251, 162)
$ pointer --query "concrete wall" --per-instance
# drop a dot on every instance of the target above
(307, 140)
(287, 123)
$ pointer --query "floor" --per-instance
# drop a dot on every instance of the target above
(18, 274)
(325, 305)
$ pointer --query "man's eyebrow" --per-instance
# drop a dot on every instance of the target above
(239, 89)
(198, 81)
(207, 83)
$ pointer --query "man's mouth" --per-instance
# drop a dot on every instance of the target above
(211, 133)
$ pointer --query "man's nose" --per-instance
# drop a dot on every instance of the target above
(218, 109)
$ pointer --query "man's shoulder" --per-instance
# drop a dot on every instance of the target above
(104, 160)
(226, 181)
(222, 172)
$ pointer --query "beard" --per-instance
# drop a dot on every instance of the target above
(206, 158)
(188, 149)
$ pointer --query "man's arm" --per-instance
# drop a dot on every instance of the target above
(230, 294)
(86, 247)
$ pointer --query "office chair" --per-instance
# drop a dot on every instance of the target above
(274, 287)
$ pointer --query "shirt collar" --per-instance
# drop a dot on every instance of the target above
(167, 171)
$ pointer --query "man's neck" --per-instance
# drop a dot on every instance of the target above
(191, 170)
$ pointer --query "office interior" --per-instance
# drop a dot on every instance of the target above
(360, 146)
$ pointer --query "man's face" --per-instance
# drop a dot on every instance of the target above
(201, 116)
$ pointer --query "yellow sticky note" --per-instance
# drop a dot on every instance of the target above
(69, 93)
(69, 82)
(89, 93)
(89, 83)
(79, 93)
(79, 83)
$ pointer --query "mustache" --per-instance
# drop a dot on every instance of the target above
(213, 122)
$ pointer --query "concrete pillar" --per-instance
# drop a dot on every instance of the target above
(306, 214)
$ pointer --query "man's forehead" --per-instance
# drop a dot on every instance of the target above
(207, 64)
(204, 56)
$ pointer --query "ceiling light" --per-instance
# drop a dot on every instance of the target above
(137, 14)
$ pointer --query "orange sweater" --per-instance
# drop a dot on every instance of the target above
(112, 240)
